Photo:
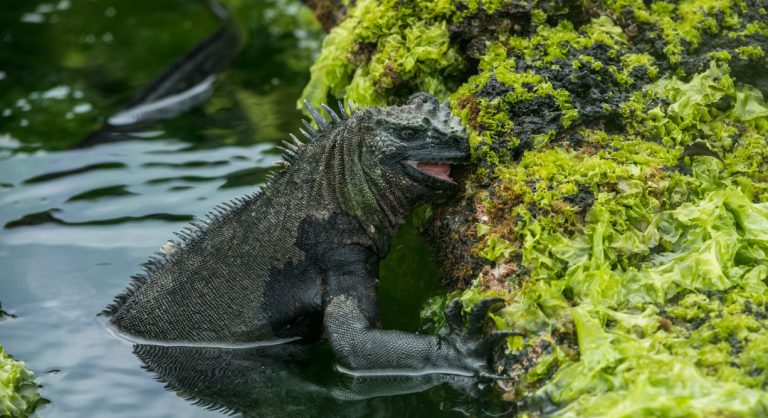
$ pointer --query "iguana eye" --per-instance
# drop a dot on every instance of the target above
(408, 134)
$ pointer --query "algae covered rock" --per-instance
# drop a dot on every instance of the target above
(619, 201)
(19, 395)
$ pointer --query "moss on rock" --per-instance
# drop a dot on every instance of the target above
(620, 198)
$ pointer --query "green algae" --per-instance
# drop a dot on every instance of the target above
(410, 44)
(666, 270)
(19, 395)
(620, 196)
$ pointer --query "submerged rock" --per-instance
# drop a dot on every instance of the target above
(619, 201)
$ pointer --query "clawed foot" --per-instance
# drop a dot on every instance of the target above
(476, 347)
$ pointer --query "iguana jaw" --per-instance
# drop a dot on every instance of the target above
(433, 167)
(440, 171)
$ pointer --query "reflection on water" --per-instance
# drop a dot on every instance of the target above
(290, 380)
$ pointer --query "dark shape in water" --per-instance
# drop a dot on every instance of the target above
(48, 217)
(186, 164)
(79, 170)
(102, 192)
(5, 314)
(185, 84)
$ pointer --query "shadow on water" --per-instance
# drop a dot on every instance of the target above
(78, 222)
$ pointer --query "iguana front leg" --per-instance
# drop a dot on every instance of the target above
(351, 325)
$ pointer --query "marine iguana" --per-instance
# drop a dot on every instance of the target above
(301, 257)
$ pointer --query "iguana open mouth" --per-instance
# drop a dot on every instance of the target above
(439, 170)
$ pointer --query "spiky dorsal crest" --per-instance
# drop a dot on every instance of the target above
(186, 237)
(292, 149)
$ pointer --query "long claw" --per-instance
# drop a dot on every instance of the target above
(453, 316)
(491, 341)
(478, 314)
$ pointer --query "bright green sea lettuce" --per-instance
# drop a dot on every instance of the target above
(381, 46)
(19, 394)
(663, 278)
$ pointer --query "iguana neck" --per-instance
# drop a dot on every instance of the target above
(380, 200)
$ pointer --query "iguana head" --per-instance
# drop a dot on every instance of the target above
(379, 162)
(418, 142)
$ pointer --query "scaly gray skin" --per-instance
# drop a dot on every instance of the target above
(302, 256)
